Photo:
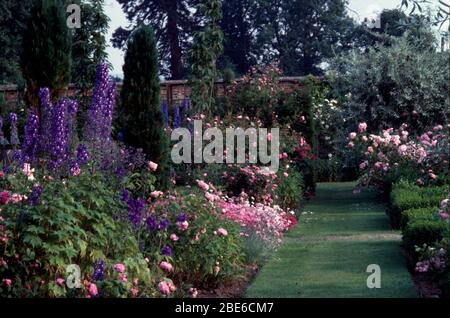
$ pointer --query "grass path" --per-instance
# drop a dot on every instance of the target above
(327, 254)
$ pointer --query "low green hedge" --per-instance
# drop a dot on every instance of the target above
(422, 231)
(406, 196)
(412, 215)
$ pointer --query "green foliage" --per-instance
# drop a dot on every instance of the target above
(420, 232)
(388, 86)
(141, 120)
(46, 55)
(406, 196)
(415, 214)
(288, 194)
(76, 221)
(199, 249)
(207, 46)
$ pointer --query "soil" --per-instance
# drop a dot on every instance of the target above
(235, 288)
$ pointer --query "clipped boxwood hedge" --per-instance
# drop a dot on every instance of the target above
(422, 231)
(412, 215)
(406, 196)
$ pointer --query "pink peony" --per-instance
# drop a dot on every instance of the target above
(166, 266)
(92, 289)
(152, 166)
(222, 232)
(120, 268)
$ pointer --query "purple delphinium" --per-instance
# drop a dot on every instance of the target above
(82, 154)
(35, 195)
(2, 135)
(176, 117)
(14, 134)
(166, 250)
(46, 117)
(31, 137)
(165, 112)
(163, 224)
(99, 271)
(151, 223)
(135, 210)
(59, 135)
(185, 110)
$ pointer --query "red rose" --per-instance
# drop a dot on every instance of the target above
(4, 197)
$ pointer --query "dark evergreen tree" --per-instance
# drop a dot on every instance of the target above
(237, 26)
(13, 19)
(141, 116)
(172, 21)
(46, 56)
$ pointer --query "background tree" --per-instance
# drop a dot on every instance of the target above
(301, 34)
(46, 57)
(238, 29)
(141, 117)
(172, 21)
(205, 50)
(13, 19)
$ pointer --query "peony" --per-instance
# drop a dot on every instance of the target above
(166, 266)
(152, 166)
(362, 127)
(203, 185)
(120, 268)
(222, 232)
(92, 289)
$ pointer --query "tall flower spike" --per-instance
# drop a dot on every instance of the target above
(165, 112)
(14, 134)
(46, 116)
(176, 118)
(31, 138)
(59, 138)
(2, 135)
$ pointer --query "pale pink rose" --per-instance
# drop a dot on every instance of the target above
(444, 203)
(120, 268)
(216, 270)
(378, 165)
(156, 194)
(152, 166)
(174, 237)
(183, 226)
(123, 277)
(365, 139)
(432, 176)
(285, 174)
(419, 182)
(222, 232)
(369, 149)
(210, 197)
(203, 185)
(164, 288)
(193, 292)
(92, 289)
(75, 171)
(16, 198)
(166, 266)
(134, 291)
(353, 135)
(402, 150)
(438, 128)
(60, 281)
(351, 144)
(363, 165)
(362, 127)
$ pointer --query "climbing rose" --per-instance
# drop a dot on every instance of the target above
(362, 127)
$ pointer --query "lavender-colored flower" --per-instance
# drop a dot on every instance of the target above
(59, 134)
(166, 250)
(35, 195)
(151, 223)
(185, 110)
(163, 224)
(125, 195)
(46, 117)
(176, 118)
(99, 270)
(135, 210)
(14, 134)
(31, 138)
(181, 217)
(165, 112)
(82, 154)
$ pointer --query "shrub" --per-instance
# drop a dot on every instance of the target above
(412, 215)
(288, 194)
(420, 232)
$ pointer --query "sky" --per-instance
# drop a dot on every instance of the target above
(358, 9)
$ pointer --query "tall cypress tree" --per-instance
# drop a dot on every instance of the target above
(46, 56)
(141, 116)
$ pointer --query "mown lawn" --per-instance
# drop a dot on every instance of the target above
(327, 254)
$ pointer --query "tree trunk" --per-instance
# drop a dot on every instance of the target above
(174, 40)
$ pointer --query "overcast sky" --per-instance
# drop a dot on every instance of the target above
(359, 9)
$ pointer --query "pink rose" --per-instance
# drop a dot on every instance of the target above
(152, 166)
(92, 289)
(156, 194)
(353, 135)
(164, 288)
(7, 282)
(285, 174)
(363, 165)
(193, 292)
(402, 150)
(60, 281)
(222, 232)
(351, 144)
(369, 149)
(16, 198)
(134, 291)
(174, 237)
(4, 197)
(444, 215)
(203, 185)
(183, 226)
(210, 197)
(362, 127)
(120, 268)
(166, 266)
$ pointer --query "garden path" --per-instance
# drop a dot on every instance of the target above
(328, 253)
